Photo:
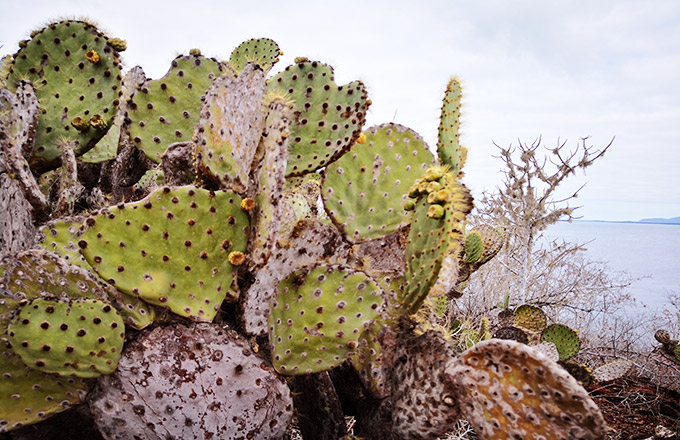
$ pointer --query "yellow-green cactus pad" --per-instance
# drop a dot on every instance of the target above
(29, 396)
(262, 51)
(506, 390)
(318, 316)
(328, 117)
(450, 151)
(364, 191)
(529, 318)
(82, 338)
(171, 249)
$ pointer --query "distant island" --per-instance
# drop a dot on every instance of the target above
(655, 221)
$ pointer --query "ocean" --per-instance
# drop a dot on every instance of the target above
(648, 251)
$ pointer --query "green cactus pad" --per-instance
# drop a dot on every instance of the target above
(450, 151)
(261, 51)
(529, 318)
(318, 316)
(365, 190)
(107, 147)
(676, 352)
(474, 247)
(328, 118)
(29, 396)
(508, 391)
(231, 123)
(435, 244)
(166, 110)
(59, 61)
(564, 338)
(171, 249)
(83, 338)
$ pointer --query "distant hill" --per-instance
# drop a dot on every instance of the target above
(665, 221)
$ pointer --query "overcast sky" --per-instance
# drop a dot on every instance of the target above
(555, 69)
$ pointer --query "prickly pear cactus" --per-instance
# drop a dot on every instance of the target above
(450, 151)
(318, 316)
(512, 333)
(76, 73)
(166, 110)
(200, 381)
(29, 396)
(508, 391)
(261, 51)
(177, 248)
(565, 339)
(365, 190)
(612, 370)
(83, 338)
(529, 318)
(328, 118)
(231, 123)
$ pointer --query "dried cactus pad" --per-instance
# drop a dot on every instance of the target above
(565, 339)
(507, 390)
(29, 396)
(318, 316)
(261, 51)
(328, 118)
(197, 382)
(231, 123)
(166, 110)
(365, 190)
(171, 249)
(612, 370)
(83, 338)
(76, 73)
(529, 318)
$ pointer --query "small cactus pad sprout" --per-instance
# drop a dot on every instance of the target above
(29, 396)
(435, 244)
(69, 85)
(365, 190)
(565, 339)
(328, 118)
(612, 370)
(166, 110)
(230, 127)
(202, 381)
(269, 172)
(529, 318)
(450, 151)
(83, 338)
(170, 249)
(261, 51)
(318, 316)
(506, 390)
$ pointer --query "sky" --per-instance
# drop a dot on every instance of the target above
(558, 70)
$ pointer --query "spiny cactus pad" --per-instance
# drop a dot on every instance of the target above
(612, 370)
(197, 382)
(565, 339)
(83, 338)
(450, 151)
(318, 316)
(529, 318)
(365, 190)
(166, 110)
(261, 51)
(231, 123)
(171, 249)
(512, 333)
(328, 118)
(59, 60)
(508, 391)
(29, 396)
(474, 247)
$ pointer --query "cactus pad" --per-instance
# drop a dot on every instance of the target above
(365, 190)
(29, 396)
(170, 249)
(58, 61)
(83, 338)
(231, 123)
(328, 118)
(166, 110)
(512, 333)
(262, 51)
(318, 316)
(508, 391)
(529, 318)
(474, 247)
(612, 370)
(564, 338)
(450, 151)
